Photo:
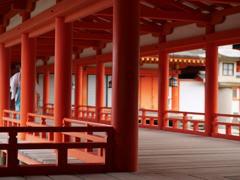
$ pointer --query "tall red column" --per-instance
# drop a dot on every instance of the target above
(100, 72)
(63, 73)
(46, 76)
(28, 78)
(175, 96)
(78, 88)
(5, 55)
(211, 83)
(163, 86)
(125, 82)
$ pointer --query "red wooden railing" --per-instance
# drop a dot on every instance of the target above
(61, 166)
(228, 127)
(10, 118)
(87, 113)
(148, 118)
(181, 123)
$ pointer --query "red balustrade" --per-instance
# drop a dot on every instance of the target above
(148, 118)
(49, 108)
(39, 136)
(102, 162)
(105, 115)
(228, 127)
(181, 123)
(87, 113)
(10, 118)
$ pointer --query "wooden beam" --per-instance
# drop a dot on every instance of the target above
(19, 4)
(167, 15)
(237, 2)
(109, 26)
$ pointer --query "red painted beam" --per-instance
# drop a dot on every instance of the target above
(76, 43)
(82, 35)
(19, 4)
(167, 15)
(237, 2)
(109, 26)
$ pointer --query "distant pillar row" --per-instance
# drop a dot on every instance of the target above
(125, 83)
(211, 84)
(63, 73)
(5, 60)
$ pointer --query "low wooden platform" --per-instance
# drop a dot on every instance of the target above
(167, 156)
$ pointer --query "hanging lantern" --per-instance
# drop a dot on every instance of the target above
(110, 84)
(173, 82)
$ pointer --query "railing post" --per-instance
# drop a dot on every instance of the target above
(215, 127)
(12, 154)
(228, 130)
(89, 133)
(195, 126)
(165, 124)
(185, 126)
(43, 122)
(109, 153)
(61, 157)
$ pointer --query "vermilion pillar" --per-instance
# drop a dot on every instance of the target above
(4, 80)
(100, 72)
(163, 86)
(125, 82)
(78, 88)
(63, 73)
(46, 76)
(211, 84)
(28, 78)
(175, 96)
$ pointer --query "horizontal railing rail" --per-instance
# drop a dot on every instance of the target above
(61, 166)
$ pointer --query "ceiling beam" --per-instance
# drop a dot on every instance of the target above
(237, 2)
(166, 15)
(109, 26)
(76, 43)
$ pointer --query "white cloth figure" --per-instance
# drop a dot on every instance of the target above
(15, 82)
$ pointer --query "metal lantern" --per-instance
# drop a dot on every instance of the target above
(110, 84)
(173, 82)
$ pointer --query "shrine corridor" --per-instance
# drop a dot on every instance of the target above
(167, 155)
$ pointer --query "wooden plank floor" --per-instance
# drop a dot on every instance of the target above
(167, 156)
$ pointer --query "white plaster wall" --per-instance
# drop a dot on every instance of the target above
(222, 78)
(191, 97)
(107, 49)
(39, 62)
(231, 22)
(14, 21)
(148, 39)
(187, 31)
(225, 100)
(235, 106)
(88, 52)
(42, 5)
